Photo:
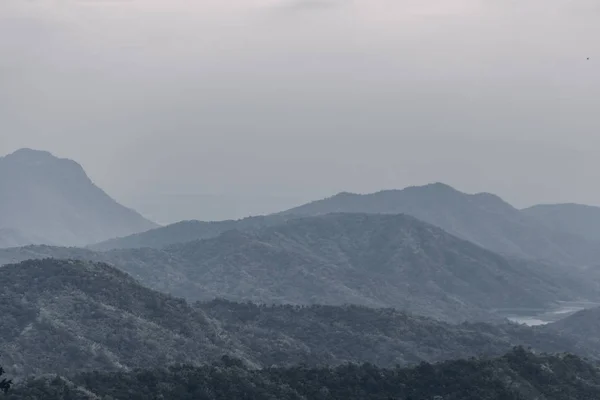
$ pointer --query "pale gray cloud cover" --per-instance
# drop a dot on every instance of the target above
(259, 104)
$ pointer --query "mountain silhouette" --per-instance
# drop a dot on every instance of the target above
(50, 200)
(576, 219)
(484, 219)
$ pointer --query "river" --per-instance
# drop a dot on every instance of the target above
(534, 317)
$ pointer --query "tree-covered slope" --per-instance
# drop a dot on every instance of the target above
(518, 375)
(366, 259)
(560, 234)
(186, 231)
(483, 218)
(583, 327)
(69, 316)
(330, 335)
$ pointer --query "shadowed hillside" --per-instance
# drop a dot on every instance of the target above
(484, 219)
(372, 260)
(576, 219)
(69, 316)
(518, 375)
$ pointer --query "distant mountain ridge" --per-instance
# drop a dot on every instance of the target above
(186, 231)
(576, 219)
(375, 260)
(484, 219)
(48, 200)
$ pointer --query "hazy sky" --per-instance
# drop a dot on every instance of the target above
(223, 108)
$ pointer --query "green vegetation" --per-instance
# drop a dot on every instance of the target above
(518, 375)
(484, 219)
(5, 383)
(370, 260)
(332, 335)
(66, 317)
(187, 231)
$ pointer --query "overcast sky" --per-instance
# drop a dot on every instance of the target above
(223, 108)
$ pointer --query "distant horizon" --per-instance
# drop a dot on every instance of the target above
(267, 103)
(206, 206)
(236, 186)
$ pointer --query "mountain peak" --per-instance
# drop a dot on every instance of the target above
(345, 195)
(51, 200)
(437, 186)
(30, 154)
(484, 219)
(30, 158)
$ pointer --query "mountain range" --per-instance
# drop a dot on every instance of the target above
(576, 219)
(483, 219)
(377, 260)
(48, 200)
(186, 231)
(394, 278)
(66, 317)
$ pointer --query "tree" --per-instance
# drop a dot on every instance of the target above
(4, 383)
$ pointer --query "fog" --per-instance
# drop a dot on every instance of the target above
(212, 109)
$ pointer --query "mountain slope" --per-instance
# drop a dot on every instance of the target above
(185, 231)
(68, 316)
(483, 219)
(373, 260)
(585, 323)
(71, 316)
(518, 375)
(321, 335)
(52, 201)
(581, 328)
(576, 219)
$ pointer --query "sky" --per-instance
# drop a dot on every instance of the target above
(221, 109)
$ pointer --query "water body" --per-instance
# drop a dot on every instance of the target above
(535, 317)
(529, 321)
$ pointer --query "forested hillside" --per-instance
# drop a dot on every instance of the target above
(372, 260)
(186, 231)
(70, 316)
(518, 375)
(484, 219)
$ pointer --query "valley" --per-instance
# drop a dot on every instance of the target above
(299, 200)
(375, 260)
(350, 279)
